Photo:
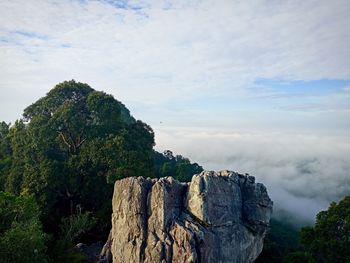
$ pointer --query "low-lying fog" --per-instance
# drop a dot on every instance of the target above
(303, 173)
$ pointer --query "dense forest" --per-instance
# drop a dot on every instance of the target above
(58, 164)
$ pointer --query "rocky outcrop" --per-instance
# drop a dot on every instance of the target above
(218, 217)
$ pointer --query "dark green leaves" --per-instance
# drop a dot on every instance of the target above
(177, 166)
(21, 235)
(70, 148)
(329, 239)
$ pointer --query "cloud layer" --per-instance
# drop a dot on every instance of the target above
(303, 173)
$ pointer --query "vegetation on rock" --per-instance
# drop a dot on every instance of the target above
(177, 166)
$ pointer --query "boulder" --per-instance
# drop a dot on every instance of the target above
(217, 217)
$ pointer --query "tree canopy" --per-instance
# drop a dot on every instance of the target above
(179, 167)
(69, 148)
(66, 152)
(329, 240)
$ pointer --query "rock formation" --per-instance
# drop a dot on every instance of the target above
(218, 217)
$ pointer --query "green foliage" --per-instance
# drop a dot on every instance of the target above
(69, 149)
(298, 256)
(5, 154)
(21, 235)
(329, 239)
(177, 166)
(63, 157)
(71, 229)
(327, 242)
(75, 225)
(281, 240)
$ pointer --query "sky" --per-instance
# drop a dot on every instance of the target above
(259, 87)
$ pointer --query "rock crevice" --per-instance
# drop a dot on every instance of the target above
(217, 217)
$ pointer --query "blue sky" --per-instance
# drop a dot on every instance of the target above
(248, 75)
(226, 56)
(177, 49)
(301, 88)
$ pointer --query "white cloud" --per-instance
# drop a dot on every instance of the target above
(302, 172)
(171, 50)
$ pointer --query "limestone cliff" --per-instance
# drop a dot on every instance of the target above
(218, 217)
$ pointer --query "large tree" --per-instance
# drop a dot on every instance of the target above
(65, 154)
(69, 148)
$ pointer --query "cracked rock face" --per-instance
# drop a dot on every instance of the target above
(218, 217)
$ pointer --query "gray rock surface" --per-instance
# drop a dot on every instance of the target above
(218, 217)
